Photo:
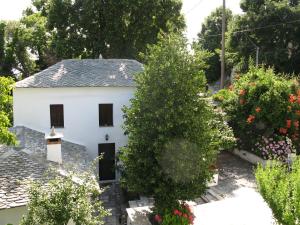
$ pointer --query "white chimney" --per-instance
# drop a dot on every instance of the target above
(54, 146)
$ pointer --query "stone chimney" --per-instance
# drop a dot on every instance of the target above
(54, 146)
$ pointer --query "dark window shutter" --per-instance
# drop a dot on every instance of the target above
(57, 115)
(105, 115)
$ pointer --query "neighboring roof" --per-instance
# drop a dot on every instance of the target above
(85, 73)
(19, 165)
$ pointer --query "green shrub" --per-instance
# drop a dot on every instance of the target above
(64, 198)
(173, 139)
(260, 103)
(281, 190)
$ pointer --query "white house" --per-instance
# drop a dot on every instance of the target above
(83, 99)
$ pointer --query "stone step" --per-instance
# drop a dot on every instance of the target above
(213, 191)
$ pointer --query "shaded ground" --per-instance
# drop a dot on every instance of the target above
(113, 201)
(234, 173)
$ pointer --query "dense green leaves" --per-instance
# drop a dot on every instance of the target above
(280, 189)
(6, 86)
(273, 27)
(72, 197)
(52, 30)
(172, 139)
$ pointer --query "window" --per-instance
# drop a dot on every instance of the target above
(57, 115)
(105, 115)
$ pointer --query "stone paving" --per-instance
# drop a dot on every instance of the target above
(234, 173)
(112, 200)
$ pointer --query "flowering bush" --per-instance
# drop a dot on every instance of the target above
(181, 216)
(260, 103)
(274, 147)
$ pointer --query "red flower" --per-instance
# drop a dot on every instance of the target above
(158, 218)
(242, 92)
(288, 123)
(177, 212)
(258, 109)
(250, 119)
(292, 98)
(185, 215)
(283, 130)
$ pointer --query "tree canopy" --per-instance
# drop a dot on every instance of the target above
(172, 138)
(273, 27)
(210, 39)
(51, 30)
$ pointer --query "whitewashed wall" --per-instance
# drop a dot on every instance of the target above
(12, 215)
(81, 113)
(15, 215)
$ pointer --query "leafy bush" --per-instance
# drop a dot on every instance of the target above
(64, 198)
(260, 103)
(173, 138)
(183, 215)
(281, 190)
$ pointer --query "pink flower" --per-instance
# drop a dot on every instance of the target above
(158, 218)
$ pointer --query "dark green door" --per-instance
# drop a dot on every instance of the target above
(107, 163)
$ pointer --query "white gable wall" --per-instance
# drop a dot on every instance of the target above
(81, 113)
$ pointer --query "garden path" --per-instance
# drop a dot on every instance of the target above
(241, 204)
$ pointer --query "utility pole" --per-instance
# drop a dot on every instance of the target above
(223, 46)
(257, 55)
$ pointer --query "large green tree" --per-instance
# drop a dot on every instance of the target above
(273, 27)
(172, 138)
(16, 57)
(210, 39)
(114, 29)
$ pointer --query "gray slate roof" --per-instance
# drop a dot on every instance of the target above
(85, 73)
(19, 165)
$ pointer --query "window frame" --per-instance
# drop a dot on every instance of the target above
(103, 123)
(57, 122)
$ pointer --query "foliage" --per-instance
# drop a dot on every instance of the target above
(183, 215)
(51, 30)
(6, 86)
(15, 57)
(172, 140)
(260, 19)
(280, 189)
(210, 39)
(72, 197)
(114, 29)
(250, 103)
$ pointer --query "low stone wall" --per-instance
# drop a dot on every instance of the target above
(138, 216)
(250, 157)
